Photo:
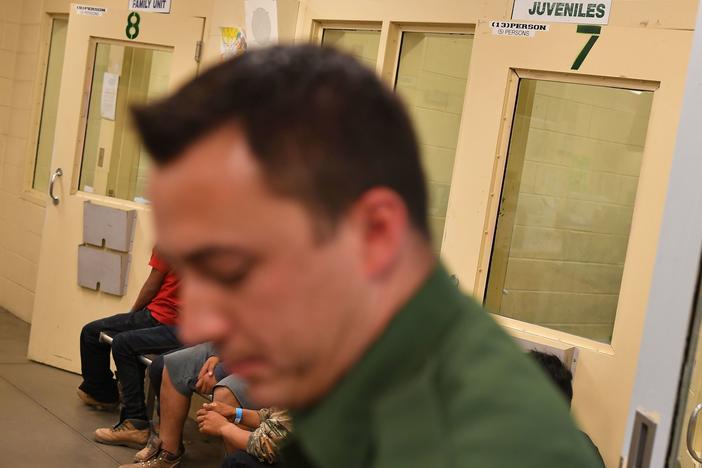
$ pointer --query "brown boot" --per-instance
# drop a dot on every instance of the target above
(125, 433)
(153, 446)
(152, 449)
(98, 405)
(163, 460)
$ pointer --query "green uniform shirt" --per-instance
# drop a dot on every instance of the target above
(443, 387)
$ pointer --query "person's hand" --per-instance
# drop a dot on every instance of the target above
(206, 379)
(222, 408)
(211, 422)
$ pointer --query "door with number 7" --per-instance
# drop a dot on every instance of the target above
(570, 134)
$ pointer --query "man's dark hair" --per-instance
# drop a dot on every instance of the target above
(557, 371)
(322, 126)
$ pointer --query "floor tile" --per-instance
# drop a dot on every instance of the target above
(50, 423)
(38, 439)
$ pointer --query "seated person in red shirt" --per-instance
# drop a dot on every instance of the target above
(149, 328)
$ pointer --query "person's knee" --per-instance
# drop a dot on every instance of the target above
(221, 394)
(91, 331)
(225, 395)
(121, 345)
(173, 383)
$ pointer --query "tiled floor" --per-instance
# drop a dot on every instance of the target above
(43, 424)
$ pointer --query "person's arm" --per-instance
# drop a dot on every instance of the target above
(250, 419)
(151, 287)
(264, 442)
(235, 437)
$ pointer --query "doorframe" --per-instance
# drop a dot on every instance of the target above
(673, 291)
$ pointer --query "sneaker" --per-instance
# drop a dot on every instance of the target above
(98, 405)
(125, 433)
(153, 446)
(163, 460)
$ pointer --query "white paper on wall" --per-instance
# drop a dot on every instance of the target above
(261, 22)
(88, 10)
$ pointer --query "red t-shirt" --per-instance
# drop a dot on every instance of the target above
(164, 307)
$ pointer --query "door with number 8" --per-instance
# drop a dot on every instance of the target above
(101, 159)
(133, 22)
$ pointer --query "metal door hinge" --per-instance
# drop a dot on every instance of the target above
(198, 51)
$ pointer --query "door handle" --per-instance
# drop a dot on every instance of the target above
(58, 173)
(691, 426)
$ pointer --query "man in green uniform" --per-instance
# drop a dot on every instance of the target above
(289, 194)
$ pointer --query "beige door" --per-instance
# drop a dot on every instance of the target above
(556, 205)
(547, 181)
(116, 58)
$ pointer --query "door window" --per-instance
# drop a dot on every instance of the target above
(49, 110)
(362, 44)
(567, 203)
(114, 161)
(431, 79)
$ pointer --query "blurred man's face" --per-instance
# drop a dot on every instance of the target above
(257, 280)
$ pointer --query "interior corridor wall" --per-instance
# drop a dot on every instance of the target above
(21, 219)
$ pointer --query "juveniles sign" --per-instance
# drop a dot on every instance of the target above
(153, 6)
(573, 11)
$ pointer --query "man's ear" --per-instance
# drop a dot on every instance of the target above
(383, 219)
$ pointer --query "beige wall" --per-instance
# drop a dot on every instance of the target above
(20, 218)
(23, 29)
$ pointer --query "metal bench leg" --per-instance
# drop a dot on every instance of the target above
(150, 397)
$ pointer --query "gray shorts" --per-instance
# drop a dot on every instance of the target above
(238, 388)
(184, 366)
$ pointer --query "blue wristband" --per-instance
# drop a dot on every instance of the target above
(238, 415)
